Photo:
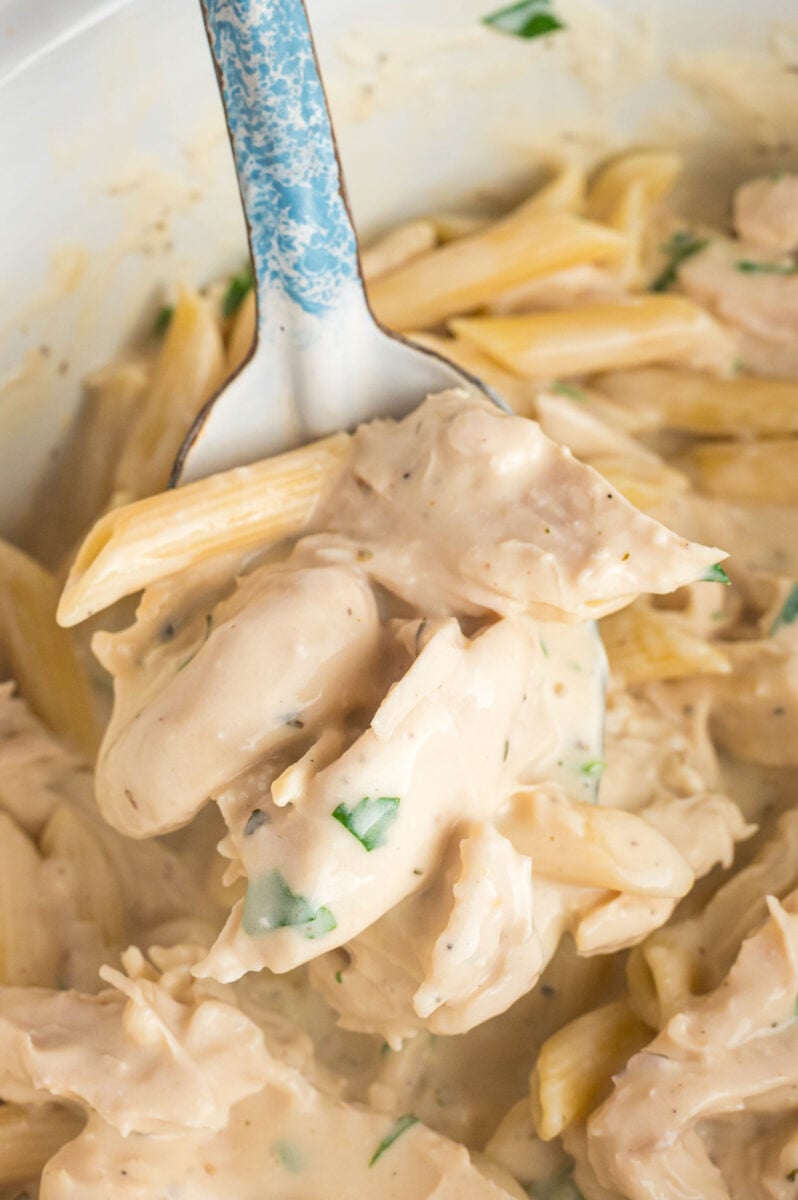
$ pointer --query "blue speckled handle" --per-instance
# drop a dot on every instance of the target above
(303, 244)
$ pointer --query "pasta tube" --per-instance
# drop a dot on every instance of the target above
(29, 955)
(520, 394)
(648, 174)
(401, 245)
(95, 893)
(643, 644)
(589, 846)
(600, 337)
(693, 402)
(576, 1065)
(564, 192)
(464, 274)
(134, 546)
(623, 195)
(190, 367)
(755, 473)
(242, 333)
(40, 655)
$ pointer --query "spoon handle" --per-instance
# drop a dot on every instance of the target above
(303, 245)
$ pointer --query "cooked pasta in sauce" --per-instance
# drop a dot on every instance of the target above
(440, 837)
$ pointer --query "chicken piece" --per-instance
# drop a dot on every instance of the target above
(733, 1051)
(766, 212)
(184, 1099)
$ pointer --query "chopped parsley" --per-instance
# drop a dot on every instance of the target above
(339, 976)
(749, 267)
(192, 656)
(289, 1156)
(569, 390)
(714, 574)
(397, 1129)
(385, 1048)
(237, 289)
(683, 245)
(527, 19)
(370, 820)
(163, 319)
(271, 904)
(795, 1009)
(789, 611)
(593, 769)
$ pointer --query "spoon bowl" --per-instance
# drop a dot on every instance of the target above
(320, 362)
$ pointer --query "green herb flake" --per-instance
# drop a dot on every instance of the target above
(678, 249)
(569, 390)
(527, 19)
(289, 1156)
(385, 1048)
(593, 769)
(163, 319)
(370, 820)
(749, 267)
(237, 289)
(192, 656)
(544, 648)
(795, 1008)
(793, 1175)
(339, 977)
(714, 574)
(397, 1129)
(789, 611)
(271, 904)
(506, 750)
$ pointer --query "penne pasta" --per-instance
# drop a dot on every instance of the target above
(644, 644)
(190, 367)
(81, 483)
(462, 275)
(518, 393)
(401, 245)
(134, 546)
(620, 921)
(29, 955)
(600, 337)
(30, 1135)
(623, 195)
(451, 226)
(692, 957)
(564, 192)
(649, 174)
(593, 847)
(692, 402)
(41, 656)
(763, 472)
(576, 1065)
(94, 891)
(242, 333)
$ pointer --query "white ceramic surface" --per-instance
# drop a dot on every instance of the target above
(116, 177)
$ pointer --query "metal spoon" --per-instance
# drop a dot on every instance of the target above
(320, 361)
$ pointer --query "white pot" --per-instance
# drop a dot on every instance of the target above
(116, 177)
